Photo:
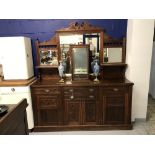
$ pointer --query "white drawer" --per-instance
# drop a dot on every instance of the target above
(12, 90)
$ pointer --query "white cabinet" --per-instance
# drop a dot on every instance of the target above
(17, 64)
(16, 58)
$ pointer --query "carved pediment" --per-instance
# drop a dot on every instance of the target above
(75, 26)
(52, 41)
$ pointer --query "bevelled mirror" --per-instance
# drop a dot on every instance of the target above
(65, 41)
(49, 57)
(113, 55)
(80, 61)
(114, 50)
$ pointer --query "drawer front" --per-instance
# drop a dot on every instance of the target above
(46, 90)
(75, 96)
(51, 101)
(115, 90)
(80, 92)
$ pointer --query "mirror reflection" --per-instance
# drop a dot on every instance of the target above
(80, 57)
(94, 41)
(71, 39)
(66, 40)
(112, 55)
(49, 57)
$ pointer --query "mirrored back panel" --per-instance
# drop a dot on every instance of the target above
(80, 56)
(80, 61)
(113, 55)
(49, 57)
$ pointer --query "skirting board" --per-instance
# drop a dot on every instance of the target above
(139, 120)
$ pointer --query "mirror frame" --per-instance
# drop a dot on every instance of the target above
(115, 61)
(45, 46)
(109, 42)
(90, 37)
(83, 28)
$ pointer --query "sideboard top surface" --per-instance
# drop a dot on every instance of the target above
(113, 82)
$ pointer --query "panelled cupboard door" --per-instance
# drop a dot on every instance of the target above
(80, 105)
(48, 109)
(115, 102)
(80, 112)
(73, 112)
(91, 111)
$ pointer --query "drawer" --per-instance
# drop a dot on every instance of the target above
(114, 90)
(80, 91)
(80, 97)
(46, 90)
(48, 101)
(73, 97)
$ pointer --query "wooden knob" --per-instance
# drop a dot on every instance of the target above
(47, 90)
(72, 97)
(115, 89)
(91, 90)
(91, 96)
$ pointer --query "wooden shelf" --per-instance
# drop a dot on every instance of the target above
(7, 83)
(46, 66)
(113, 64)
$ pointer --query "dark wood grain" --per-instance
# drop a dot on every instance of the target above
(15, 121)
(82, 105)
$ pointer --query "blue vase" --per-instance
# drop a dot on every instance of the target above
(65, 65)
(61, 71)
(92, 65)
(96, 70)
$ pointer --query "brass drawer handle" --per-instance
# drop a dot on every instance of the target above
(115, 89)
(91, 96)
(71, 90)
(91, 90)
(47, 90)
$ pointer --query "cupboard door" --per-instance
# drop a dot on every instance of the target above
(115, 106)
(73, 112)
(48, 109)
(114, 109)
(90, 111)
(81, 105)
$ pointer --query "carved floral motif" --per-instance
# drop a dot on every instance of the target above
(80, 26)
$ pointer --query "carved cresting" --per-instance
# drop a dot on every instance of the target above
(83, 25)
(80, 26)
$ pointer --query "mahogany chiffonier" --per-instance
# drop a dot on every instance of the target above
(81, 98)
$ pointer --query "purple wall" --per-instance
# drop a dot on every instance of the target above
(44, 29)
